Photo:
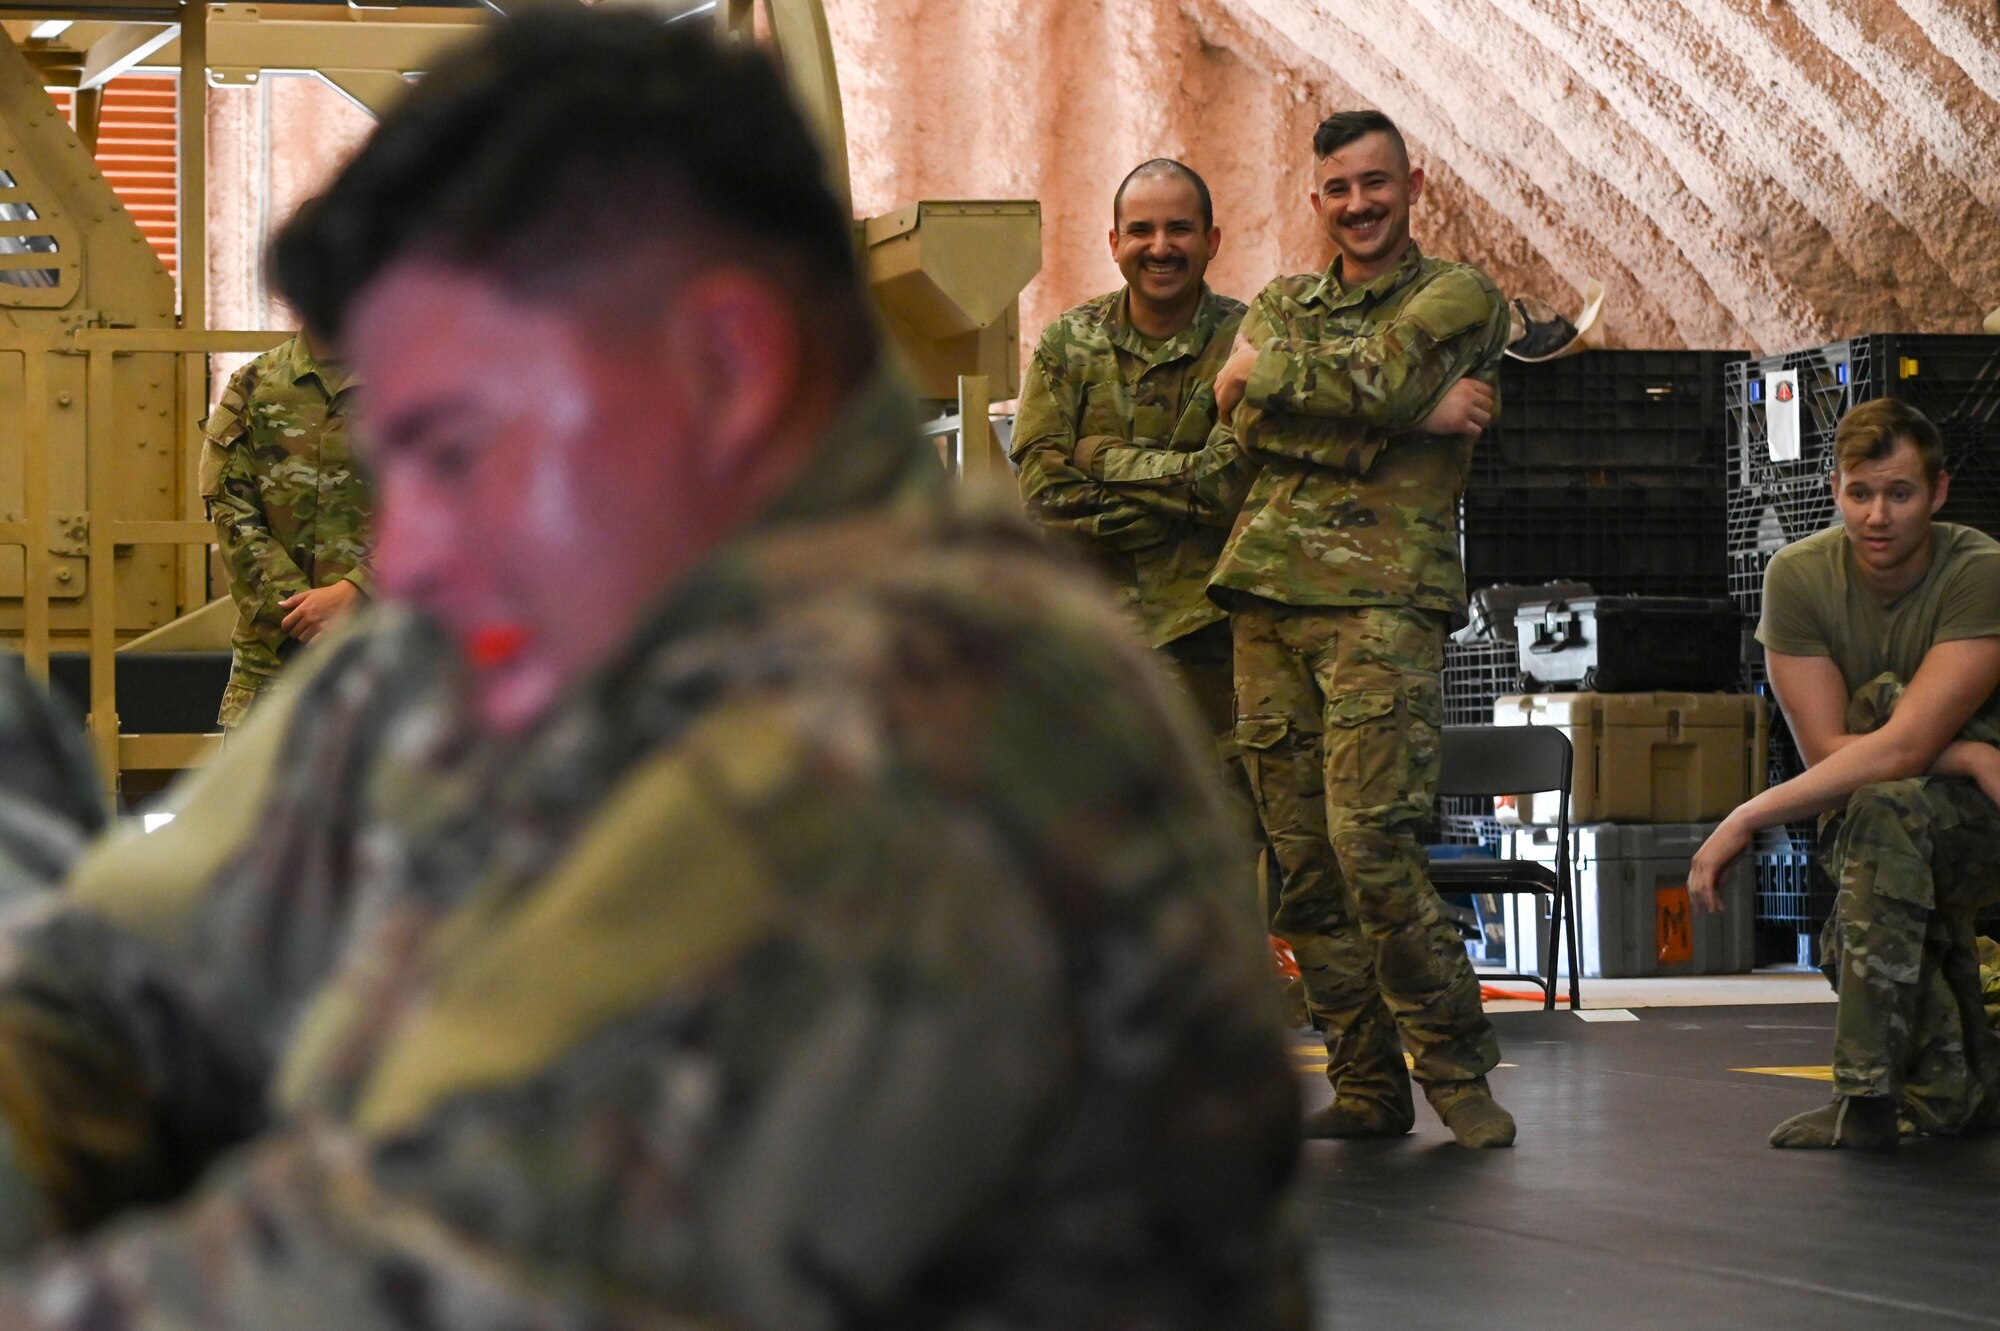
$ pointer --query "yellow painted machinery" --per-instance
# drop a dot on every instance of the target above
(104, 376)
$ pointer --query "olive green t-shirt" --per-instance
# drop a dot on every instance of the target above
(1816, 604)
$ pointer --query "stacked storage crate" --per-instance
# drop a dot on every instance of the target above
(1605, 468)
(1660, 759)
(1953, 379)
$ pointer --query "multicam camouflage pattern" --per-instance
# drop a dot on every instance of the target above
(1115, 444)
(1340, 720)
(289, 503)
(853, 952)
(1352, 506)
(1914, 864)
(50, 802)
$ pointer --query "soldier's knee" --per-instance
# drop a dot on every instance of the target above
(1899, 801)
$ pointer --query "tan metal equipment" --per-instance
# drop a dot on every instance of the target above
(103, 382)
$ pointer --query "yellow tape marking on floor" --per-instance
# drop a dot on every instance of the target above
(1808, 1074)
(1314, 1060)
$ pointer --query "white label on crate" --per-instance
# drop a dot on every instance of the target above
(1607, 1014)
(1781, 415)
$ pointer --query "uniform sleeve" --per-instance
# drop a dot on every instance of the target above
(1058, 495)
(261, 573)
(1204, 486)
(1201, 474)
(1390, 379)
(1341, 444)
(1969, 605)
(1789, 624)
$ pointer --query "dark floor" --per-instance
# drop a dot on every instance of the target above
(1643, 1193)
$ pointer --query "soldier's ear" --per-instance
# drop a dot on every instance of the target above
(1214, 241)
(1416, 183)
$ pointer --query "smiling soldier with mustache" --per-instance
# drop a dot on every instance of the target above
(1115, 443)
(1360, 391)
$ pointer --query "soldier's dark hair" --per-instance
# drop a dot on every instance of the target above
(1870, 431)
(1165, 166)
(1344, 127)
(548, 153)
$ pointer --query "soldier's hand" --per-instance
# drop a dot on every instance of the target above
(311, 613)
(1985, 761)
(1725, 846)
(1234, 377)
(1467, 409)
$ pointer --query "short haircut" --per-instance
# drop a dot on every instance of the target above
(550, 150)
(1166, 166)
(1871, 431)
(1344, 127)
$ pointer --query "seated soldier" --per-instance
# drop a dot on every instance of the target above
(728, 882)
(1912, 827)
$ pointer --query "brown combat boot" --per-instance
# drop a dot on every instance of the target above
(1371, 1082)
(1473, 1115)
(1856, 1122)
(1380, 1106)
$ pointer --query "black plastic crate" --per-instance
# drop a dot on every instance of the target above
(1476, 675)
(1630, 644)
(1793, 897)
(1467, 820)
(1626, 414)
(1746, 585)
(1954, 379)
(1624, 540)
(1784, 943)
(1770, 516)
(1791, 889)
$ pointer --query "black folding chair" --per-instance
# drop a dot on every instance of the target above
(1515, 760)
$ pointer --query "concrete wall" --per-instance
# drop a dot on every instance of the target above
(1738, 173)
(1760, 173)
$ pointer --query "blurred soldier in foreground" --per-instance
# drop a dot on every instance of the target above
(1362, 390)
(725, 885)
(290, 508)
(1882, 637)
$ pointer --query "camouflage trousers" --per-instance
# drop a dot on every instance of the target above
(242, 693)
(1204, 664)
(1914, 861)
(1339, 714)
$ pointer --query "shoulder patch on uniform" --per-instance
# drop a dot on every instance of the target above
(1453, 303)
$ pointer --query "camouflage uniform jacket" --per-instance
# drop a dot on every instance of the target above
(1353, 506)
(289, 504)
(858, 950)
(1112, 445)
